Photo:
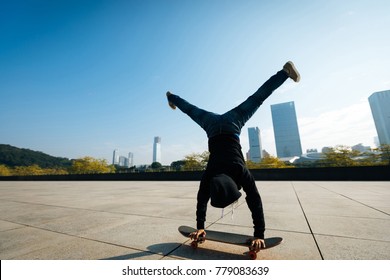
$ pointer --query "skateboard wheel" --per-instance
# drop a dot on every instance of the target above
(194, 244)
(252, 255)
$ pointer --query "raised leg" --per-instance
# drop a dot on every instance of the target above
(206, 120)
(238, 116)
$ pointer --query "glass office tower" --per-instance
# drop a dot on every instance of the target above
(284, 119)
(255, 150)
(157, 149)
(115, 157)
(380, 108)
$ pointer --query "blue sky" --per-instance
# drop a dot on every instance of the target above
(82, 78)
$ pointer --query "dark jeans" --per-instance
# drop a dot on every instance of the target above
(232, 121)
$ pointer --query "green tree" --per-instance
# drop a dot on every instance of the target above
(178, 165)
(156, 165)
(384, 153)
(28, 170)
(340, 156)
(4, 170)
(196, 161)
(13, 156)
(90, 165)
(56, 171)
(267, 161)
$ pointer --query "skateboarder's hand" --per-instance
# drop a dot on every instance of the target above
(196, 234)
(257, 244)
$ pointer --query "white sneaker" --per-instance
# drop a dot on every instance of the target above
(292, 72)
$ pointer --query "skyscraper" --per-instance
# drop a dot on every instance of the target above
(131, 159)
(157, 149)
(122, 160)
(115, 157)
(380, 109)
(284, 119)
(255, 150)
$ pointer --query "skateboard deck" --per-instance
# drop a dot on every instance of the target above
(230, 238)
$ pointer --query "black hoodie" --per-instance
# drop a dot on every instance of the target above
(226, 158)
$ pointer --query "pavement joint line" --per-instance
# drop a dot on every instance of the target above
(352, 223)
(10, 228)
(354, 200)
(139, 251)
(170, 252)
(307, 221)
(348, 217)
(91, 210)
(80, 237)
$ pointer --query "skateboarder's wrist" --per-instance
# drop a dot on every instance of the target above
(258, 235)
(200, 225)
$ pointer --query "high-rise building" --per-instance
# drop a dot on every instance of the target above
(131, 159)
(122, 160)
(115, 157)
(380, 108)
(287, 140)
(157, 149)
(255, 153)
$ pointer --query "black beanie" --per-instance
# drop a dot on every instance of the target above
(223, 191)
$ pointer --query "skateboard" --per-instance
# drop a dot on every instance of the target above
(230, 238)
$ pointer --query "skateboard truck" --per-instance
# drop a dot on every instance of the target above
(201, 240)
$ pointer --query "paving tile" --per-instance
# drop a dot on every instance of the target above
(289, 221)
(83, 223)
(282, 206)
(342, 209)
(286, 221)
(32, 243)
(341, 248)
(159, 236)
(28, 213)
(5, 226)
(168, 208)
(363, 228)
(139, 220)
(22, 241)
(295, 246)
(317, 200)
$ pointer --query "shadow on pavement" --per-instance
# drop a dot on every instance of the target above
(182, 251)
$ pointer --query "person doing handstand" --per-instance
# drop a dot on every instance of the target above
(226, 172)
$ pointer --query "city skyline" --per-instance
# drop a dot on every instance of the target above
(84, 78)
(121, 160)
(285, 116)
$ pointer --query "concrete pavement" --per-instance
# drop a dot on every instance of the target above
(139, 220)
